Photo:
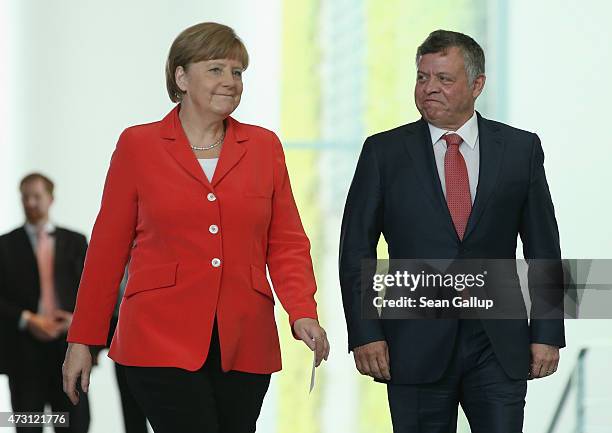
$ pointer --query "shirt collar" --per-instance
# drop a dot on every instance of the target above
(468, 132)
(32, 230)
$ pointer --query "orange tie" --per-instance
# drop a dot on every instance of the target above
(44, 258)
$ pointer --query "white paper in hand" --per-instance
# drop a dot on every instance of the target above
(312, 372)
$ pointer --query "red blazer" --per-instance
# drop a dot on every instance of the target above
(197, 249)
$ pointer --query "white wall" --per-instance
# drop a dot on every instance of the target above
(11, 160)
(559, 87)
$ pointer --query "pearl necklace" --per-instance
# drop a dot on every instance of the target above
(215, 144)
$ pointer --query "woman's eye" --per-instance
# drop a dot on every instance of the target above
(215, 70)
(238, 73)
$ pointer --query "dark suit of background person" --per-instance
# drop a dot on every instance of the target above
(34, 367)
(396, 191)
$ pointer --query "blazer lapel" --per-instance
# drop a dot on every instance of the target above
(420, 148)
(491, 153)
(232, 152)
(177, 146)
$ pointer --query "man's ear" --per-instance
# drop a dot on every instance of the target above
(478, 86)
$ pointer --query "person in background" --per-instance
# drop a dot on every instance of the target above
(202, 206)
(40, 269)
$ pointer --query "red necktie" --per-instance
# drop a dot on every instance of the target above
(457, 184)
(44, 257)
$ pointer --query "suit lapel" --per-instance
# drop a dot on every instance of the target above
(177, 145)
(59, 251)
(420, 148)
(491, 154)
(232, 152)
(63, 293)
(23, 249)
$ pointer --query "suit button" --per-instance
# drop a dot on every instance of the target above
(216, 262)
(211, 197)
(213, 229)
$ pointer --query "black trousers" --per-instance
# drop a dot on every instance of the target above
(134, 419)
(204, 401)
(37, 380)
(492, 402)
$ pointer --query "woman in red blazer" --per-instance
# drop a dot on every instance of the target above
(200, 204)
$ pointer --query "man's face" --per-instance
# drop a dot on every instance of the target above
(442, 92)
(36, 201)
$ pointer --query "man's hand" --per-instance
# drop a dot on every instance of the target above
(63, 318)
(43, 328)
(544, 360)
(310, 332)
(372, 359)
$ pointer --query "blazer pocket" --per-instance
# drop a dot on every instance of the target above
(258, 192)
(259, 281)
(151, 277)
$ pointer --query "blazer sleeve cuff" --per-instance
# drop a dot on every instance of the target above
(301, 314)
(364, 331)
(548, 331)
(88, 337)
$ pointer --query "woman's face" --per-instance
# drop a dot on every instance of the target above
(213, 86)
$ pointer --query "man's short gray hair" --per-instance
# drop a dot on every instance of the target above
(441, 40)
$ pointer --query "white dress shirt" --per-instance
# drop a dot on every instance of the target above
(469, 149)
(32, 232)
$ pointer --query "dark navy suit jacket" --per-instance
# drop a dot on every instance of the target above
(396, 192)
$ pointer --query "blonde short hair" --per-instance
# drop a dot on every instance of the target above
(204, 41)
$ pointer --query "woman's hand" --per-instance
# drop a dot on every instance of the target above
(76, 364)
(310, 332)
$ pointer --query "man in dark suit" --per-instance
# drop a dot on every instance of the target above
(452, 185)
(40, 269)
